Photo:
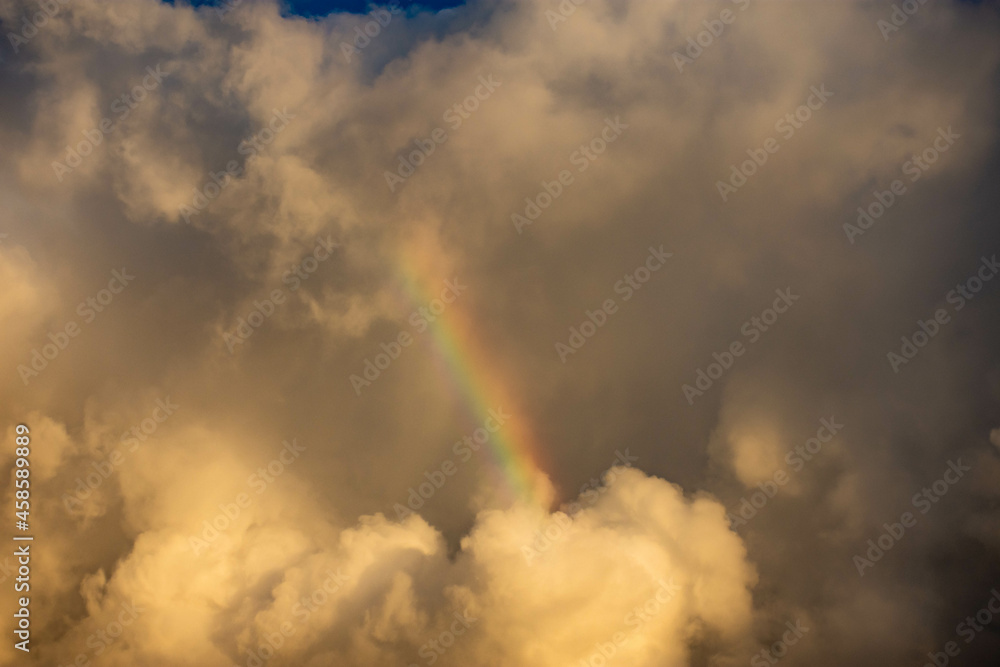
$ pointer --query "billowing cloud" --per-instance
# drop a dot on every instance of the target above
(522, 333)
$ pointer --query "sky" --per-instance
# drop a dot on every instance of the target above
(521, 334)
(319, 8)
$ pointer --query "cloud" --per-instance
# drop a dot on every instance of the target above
(215, 182)
(661, 571)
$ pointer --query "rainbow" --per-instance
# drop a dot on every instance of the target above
(515, 450)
